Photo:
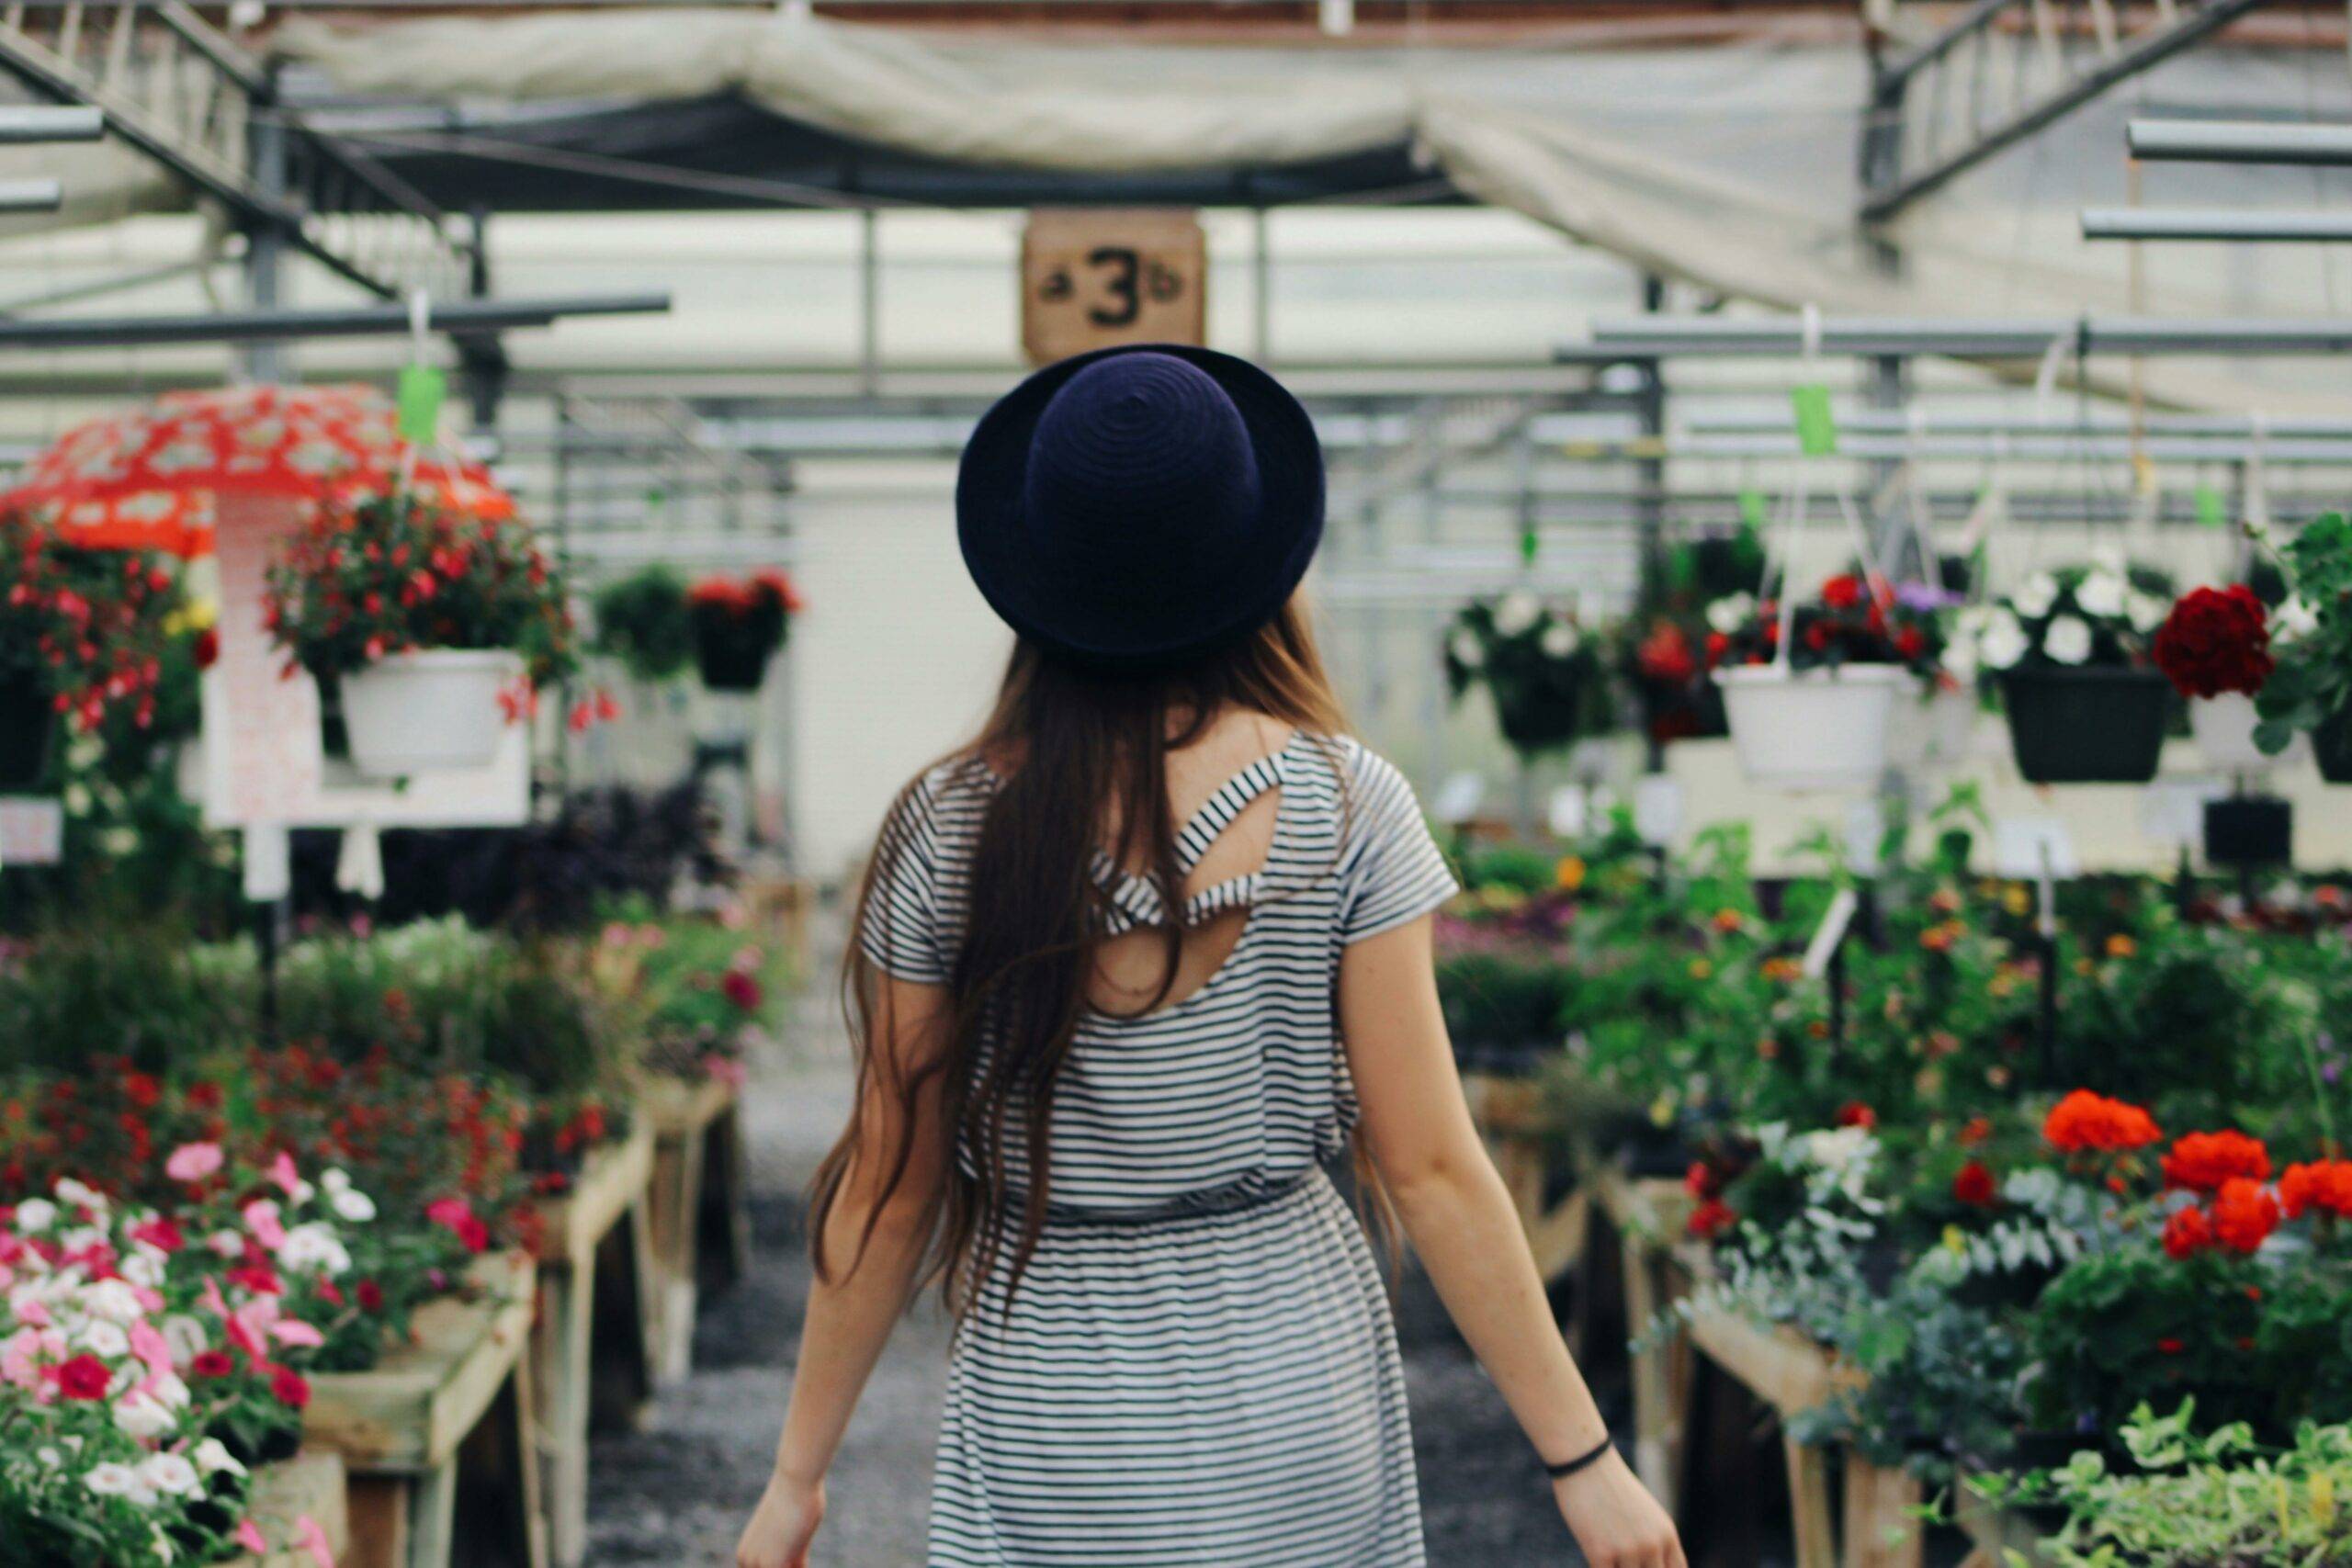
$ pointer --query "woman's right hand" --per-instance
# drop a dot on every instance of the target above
(782, 1526)
(1615, 1520)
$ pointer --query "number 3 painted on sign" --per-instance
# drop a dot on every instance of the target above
(1127, 267)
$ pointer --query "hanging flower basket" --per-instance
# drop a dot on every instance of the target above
(738, 624)
(1823, 728)
(2215, 649)
(2099, 724)
(2331, 745)
(1548, 678)
(433, 709)
(27, 731)
(438, 630)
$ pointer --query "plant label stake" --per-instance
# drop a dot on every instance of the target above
(2039, 849)
(1825, 959)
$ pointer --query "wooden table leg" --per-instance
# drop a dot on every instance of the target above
(432, 1516)
(379, 1510)
(560, 1370)
(725, 1250)
(625, 1334)
(1882, 1527)
(1816, 1531)
(1660, 1372)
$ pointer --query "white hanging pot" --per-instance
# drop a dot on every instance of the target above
(2225, 729)
(428, 711)
(1815, 728)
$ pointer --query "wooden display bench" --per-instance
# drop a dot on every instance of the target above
(701, 1228)
(1996, 1537)
(784, 903)
(591, 1342)
(1509, 1113)
(436, 1436)
(1781, 1368)
(309, 1486)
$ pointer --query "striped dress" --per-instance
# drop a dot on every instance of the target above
(1199, 1366)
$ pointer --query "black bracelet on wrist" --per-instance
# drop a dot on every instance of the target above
(1582, 1460)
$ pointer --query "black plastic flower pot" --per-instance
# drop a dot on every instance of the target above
(2089, 725)
(2249, 829)
(28, 733)
(2331, 745)
(730, 665)
(1540, 718)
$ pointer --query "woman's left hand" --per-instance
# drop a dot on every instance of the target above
(782, 1526)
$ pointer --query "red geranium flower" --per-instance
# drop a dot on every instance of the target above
(1854, 1113)
(2202, 1162)
(2084, 1120)
(1974, 1184)
(1665, 655)
(1842, 592)
(1711, 1219)
(2244, 1214)
(2188, 1232)
(2216, 640)
(290, 1388)
(84, 1377)
(2324, 1185)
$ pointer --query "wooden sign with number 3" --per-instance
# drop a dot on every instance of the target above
(1093, 278)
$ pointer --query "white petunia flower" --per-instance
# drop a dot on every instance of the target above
(227, 1242)
(105, 1340)
(144, 1267)
(2004, 642)
(2293, 619)
(352, 1204)
(2102, 593)
(110, 1480)
(1959, 660)
(50, 1457)
(2035, 595)
(142, 1416)
(1467, 649)
(1517, 614)
(212, 1457)
(2146, 611)
(79, 1195)
(35, 1215)
(335, 1179)
(114, 1300)
(1561, 639)
(2068, 640)
(171, 1474)
(1730, 612)
(314, 1246)
(185, 1335)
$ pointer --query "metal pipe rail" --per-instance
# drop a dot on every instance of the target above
(458, 318)
(34, 125)
(1647, 337)
(2237, 141)
(1881, 421)
(2213, 223)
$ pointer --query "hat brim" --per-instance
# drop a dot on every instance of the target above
(1048, 601)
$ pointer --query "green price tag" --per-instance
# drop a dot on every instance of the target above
(1755, 512)
(2211, 511)
(1816, 427)
(1529, 544)
(422, 391)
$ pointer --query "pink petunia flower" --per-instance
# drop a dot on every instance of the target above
(193, 1162)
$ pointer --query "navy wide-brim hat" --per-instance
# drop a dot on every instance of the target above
(1137, 508)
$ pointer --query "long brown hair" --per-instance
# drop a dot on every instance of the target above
(1082, 759)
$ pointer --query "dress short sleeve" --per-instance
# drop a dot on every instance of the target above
(901, 932)
(1393, 872)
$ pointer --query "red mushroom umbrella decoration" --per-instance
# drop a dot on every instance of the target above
(146, 479)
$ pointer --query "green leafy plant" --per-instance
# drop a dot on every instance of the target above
(642, 621)
(2310, 688)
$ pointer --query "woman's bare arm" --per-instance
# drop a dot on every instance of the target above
(850, 1316)
(1461, 1224)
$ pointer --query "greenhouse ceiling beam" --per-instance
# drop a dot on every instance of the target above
(2237, 141)
(34, 124)
(2044, 449)
(458, 318)
(31, 195)
(2213, 223)
(182, 93)
(1892, 187)
(1890, 422)
(1651, 337)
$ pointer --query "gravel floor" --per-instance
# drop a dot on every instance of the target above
(676, 1492)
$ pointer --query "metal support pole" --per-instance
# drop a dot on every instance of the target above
(1261, 286)
(2214, 223)
(1639, 338)
(263, 362)
(2237, 141)
(482, 358)
(869, 301)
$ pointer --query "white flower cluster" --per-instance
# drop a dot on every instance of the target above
(1516, 615)
(1999, 637)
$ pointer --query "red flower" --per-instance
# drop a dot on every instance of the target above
(84, 1377)
(2170, 1346)
(1842, 592)
(212, 1364)
(1701, 1180)
(2216, 640)
(1974, 1184)
(1854, 1113)
(2244, 1214)
(1978, 1131)
(371, 1296)
(1665, 655)
(1711, 1219)
(160, 1233)
(290, 1388)
(739, 988)
(2085, 1121)
(2188, 1232)
(2202, 1162)
(2324, 1185)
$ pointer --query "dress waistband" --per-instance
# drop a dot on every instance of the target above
(1231, 1198)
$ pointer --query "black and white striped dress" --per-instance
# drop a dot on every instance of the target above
(1199, 1366)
